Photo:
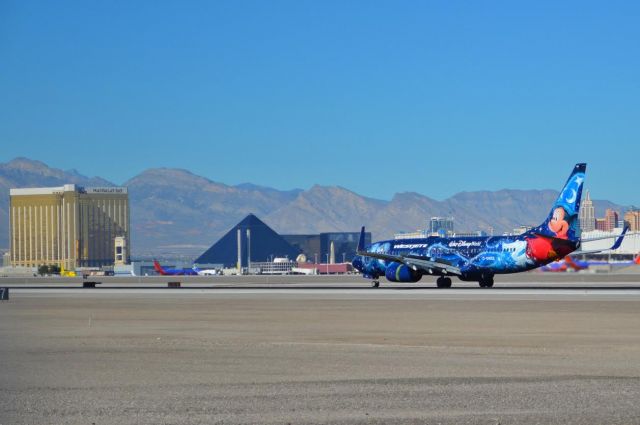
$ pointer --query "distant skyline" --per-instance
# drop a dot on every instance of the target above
(377, 97)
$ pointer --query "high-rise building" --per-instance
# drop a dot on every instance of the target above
(69, 225)
(119, 256)
(611, 220)
(632, 218)
(441, 226)
(587, 215)
(601, 224)
(521, 229)
(418, 234)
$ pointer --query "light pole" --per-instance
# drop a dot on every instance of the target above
(344, 255)
(249, 250)
(327, 263)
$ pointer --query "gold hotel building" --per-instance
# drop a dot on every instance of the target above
(69, 225)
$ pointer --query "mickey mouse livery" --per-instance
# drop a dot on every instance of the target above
(480, 258)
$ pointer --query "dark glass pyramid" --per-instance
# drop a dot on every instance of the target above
(265, 243)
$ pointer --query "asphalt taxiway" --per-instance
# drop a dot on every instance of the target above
(306, 352)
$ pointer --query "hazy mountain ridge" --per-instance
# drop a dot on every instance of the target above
(171, 207)
(324, 209)
(30, 173)
(174, 206)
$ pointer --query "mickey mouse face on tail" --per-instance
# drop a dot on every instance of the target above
(558, 224)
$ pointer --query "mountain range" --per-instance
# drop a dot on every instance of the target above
(173, 209)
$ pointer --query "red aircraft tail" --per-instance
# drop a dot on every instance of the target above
(158, 268)
(637, 259)
(569, 261)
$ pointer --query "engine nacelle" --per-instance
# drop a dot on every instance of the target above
(397, 272)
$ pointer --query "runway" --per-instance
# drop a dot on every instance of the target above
(337, 293)
(321, 353)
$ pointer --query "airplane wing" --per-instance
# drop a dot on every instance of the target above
(615, 245)
(430, 265)
(416, 262)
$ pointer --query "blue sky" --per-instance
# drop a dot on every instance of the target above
(378, 97)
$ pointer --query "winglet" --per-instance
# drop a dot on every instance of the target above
(618, 242)
(361, 242)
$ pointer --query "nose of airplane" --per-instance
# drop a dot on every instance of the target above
(357, 263)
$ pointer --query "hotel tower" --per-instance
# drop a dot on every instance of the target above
(69, 225)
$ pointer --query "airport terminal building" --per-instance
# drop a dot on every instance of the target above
(318, 247)
(70, 226)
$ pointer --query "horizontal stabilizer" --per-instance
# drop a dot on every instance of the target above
(618, 241)
(602, 238)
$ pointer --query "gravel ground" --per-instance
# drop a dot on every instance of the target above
(307, 359)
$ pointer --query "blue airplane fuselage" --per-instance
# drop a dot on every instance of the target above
(474, 256)
(479, 258)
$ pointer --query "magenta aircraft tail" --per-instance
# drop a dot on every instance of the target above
(562, 221)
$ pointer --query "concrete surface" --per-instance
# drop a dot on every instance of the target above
(533, 279)
(187, 356)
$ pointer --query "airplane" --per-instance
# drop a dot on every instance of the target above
(206, 272)
(564, 265)
(173, 272)
(479, 259)
(556, 267)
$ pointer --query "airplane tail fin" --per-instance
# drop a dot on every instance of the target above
(562, 221)
(573, 264)
(637, 259)
(158, 267)
(569, 262)
(361, 241)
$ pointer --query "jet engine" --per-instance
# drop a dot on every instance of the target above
(397, 272)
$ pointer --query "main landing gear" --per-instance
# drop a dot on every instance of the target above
(375, 283)
(443, 282)
(486, 282)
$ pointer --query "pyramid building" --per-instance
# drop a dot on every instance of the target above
(257, 242)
